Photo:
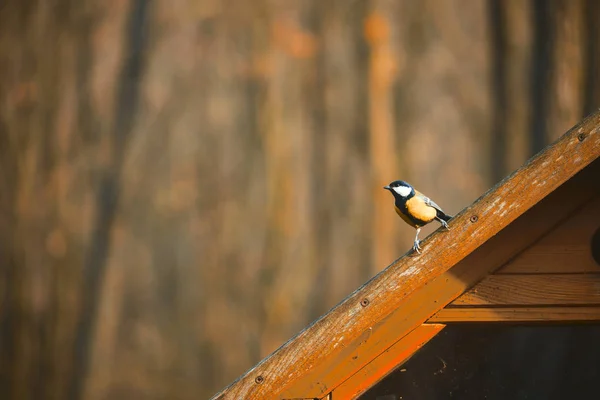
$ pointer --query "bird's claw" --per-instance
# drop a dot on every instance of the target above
(445, 225)
(416, 247)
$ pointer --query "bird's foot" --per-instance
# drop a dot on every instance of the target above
(417, 247)
(445, 225)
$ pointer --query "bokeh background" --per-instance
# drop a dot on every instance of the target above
(185, 184)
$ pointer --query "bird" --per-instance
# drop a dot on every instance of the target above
(416, 209)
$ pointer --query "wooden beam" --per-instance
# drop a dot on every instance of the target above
(566, 249)
(386, 362)
(533, 290)
(400, 298)
(517, 315)
(454, 282)
(437, 292)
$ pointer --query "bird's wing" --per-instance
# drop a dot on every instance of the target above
(428, 201)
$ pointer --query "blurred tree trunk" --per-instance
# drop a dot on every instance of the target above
(68, 101)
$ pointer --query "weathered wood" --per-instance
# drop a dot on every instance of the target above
(516, 314)
(566, 249)
(386, 362)
(528, 290)
(401, 297)
(439, 291)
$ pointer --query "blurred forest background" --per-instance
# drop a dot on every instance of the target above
(186, 184)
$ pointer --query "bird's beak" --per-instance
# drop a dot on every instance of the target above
(387, 187)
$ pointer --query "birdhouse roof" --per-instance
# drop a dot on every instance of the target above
(490, 267)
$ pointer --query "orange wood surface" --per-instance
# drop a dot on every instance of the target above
(566, 249)
(517, 314)
(386, 362)
(413, 288)
(439, 291)
(528, 290)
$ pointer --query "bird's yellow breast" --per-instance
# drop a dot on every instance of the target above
(405, 218)
(417, 208)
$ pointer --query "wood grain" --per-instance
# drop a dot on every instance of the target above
(319, 358)
(514, 290)
(439, 291)
(517, 314)
(386, 362)
(565, 249)
(432, 296)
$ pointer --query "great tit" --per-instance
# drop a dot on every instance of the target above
(415, 208)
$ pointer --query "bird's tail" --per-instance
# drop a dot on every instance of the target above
(444, 216)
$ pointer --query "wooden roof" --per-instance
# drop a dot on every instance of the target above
(387, 319)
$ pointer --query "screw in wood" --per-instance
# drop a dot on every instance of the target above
(259, 379)
(581, 137)
(364, 302)
(474, 218)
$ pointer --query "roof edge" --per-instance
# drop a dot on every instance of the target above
(386, 291)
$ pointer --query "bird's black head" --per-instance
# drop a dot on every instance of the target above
(400, 189)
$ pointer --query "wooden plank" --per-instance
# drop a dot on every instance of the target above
(516, 314)
(386, 362)
(454, 282)
(566, 249)
(399, 298)
(439, 291)
(530, 290)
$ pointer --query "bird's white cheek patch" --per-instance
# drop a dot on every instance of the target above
(402, 190)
